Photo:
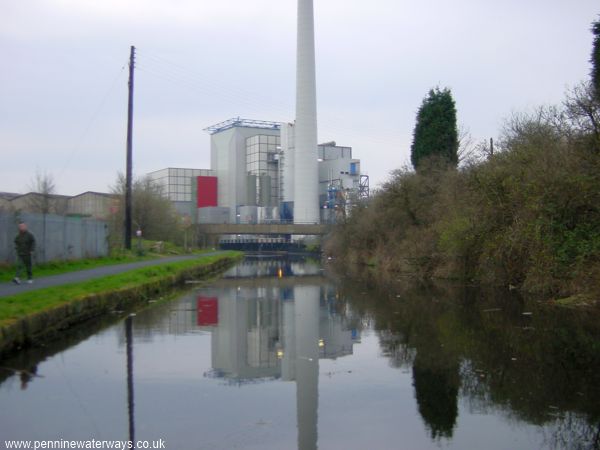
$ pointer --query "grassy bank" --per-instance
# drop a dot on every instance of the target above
(151, 250)
(17, 306)
(28, 317)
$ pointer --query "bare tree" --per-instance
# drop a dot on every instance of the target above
(543, 123)
(44, 203)
(471, 152)
(42, 184)
(582, 108)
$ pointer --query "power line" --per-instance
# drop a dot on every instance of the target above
(92, 119)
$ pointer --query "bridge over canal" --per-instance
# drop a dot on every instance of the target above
(268, 235)
(309, 229)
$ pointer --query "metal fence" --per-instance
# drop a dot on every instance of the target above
(57, 237)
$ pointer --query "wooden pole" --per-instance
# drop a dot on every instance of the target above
(129, 171)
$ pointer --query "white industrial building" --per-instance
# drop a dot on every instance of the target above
(243, 157)
(254, 164)
(265, 171)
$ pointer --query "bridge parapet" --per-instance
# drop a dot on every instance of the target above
(264, 228)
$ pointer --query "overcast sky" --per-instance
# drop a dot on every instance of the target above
(63, 77)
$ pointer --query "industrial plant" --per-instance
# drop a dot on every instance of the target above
(272, 172)
(253, 175)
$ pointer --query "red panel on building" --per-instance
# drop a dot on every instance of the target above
(207, 191)
(208, 311)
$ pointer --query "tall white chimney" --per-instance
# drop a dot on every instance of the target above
(306, 180)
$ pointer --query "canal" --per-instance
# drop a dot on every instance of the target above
(280, 354)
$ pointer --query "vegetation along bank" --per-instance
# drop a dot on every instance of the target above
(33, 317)
(523, 214)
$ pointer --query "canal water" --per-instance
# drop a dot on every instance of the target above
(279, 355)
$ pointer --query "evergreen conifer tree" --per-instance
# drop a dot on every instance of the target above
(595, 60)
(436, 132)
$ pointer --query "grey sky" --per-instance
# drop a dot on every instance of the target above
(63, 79)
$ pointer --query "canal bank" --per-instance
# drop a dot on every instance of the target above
(32, 318)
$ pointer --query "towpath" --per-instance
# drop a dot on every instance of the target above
(83, 275)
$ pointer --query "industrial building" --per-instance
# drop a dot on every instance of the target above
(263, 171)
(252, 178)
(43, 203)
(178, 185)
(244, 156)
(93, 204)
(97, 205)
(254, 162)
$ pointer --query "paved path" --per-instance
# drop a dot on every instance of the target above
(83, 275)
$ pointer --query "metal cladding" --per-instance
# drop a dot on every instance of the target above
(287, 175)
(265, 190)
(251, 190)
(306, 181)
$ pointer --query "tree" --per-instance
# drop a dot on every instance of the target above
(471, 152)
(43, 184)
(582, 111)
(595, 59)
(436, 131)
(43, 203)
(153, 212)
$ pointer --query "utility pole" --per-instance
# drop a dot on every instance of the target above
(128, 171)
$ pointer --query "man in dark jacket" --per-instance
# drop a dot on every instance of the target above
(24, 245)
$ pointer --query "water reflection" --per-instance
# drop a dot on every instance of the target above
(280, 331)
(436, 389)
(130, 393)
(26, 375)
(268, 320)
(495, 351)
(273, 266)
(236, 365)
(261, 332)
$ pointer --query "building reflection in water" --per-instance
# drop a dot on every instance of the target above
(277, 327)
(272, 267)
(268, 320)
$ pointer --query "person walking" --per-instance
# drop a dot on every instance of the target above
(24, 246)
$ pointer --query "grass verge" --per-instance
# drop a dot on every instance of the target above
(7, 271)
(16, 307)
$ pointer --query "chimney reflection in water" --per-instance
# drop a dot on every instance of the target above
(306, 302)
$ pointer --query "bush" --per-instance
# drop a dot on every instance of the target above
(528, 216)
